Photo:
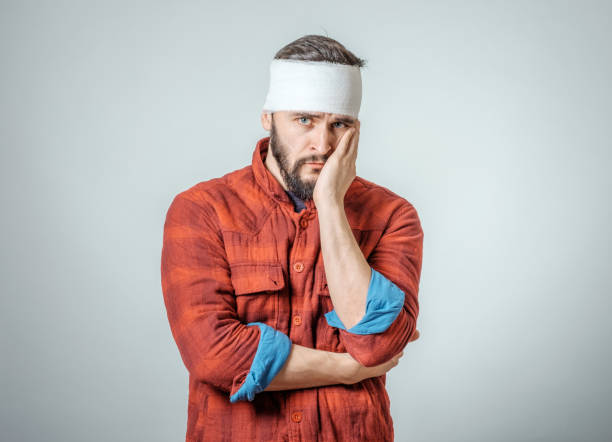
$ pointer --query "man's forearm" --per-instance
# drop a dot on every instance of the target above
(306, 367)
(341, 257)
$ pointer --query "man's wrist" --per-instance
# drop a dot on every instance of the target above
(337, 364)
(329, 204)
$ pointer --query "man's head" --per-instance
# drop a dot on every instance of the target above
(300, 136)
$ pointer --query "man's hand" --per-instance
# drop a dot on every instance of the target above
(339, 170)
(355, 372)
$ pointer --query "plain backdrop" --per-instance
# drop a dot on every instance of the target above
(493, 118)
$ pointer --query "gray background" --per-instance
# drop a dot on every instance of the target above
(493, 118)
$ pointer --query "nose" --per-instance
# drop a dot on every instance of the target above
(324, 140)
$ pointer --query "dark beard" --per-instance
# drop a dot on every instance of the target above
(300, 188)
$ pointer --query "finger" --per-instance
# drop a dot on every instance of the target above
(345, 141)
(355, 137)
(355, 142)
(351, 149)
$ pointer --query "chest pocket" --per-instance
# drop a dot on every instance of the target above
(257, 288)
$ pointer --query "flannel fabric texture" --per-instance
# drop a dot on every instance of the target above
(241, 267)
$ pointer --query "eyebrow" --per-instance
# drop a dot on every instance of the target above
(346, 120)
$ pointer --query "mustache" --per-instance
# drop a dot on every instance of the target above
(312, 160)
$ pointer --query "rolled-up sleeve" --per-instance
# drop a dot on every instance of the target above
(272, 352)
(384, 302)
(215, 346)
(392, 297)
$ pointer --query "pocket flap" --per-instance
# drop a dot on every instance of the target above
(253, 278)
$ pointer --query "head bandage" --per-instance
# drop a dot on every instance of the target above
(317, 86)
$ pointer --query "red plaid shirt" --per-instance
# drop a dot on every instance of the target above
(235, 252)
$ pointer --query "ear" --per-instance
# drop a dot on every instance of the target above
(266, 121)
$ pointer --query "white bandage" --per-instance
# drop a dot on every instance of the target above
(317, 86)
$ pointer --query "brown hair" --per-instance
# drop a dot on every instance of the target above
(319, 48)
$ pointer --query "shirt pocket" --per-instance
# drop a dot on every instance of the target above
(257, 288)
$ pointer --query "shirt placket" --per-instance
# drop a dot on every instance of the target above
(301, 404)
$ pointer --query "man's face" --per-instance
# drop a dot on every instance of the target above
(300, 138)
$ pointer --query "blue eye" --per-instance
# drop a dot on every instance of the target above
(304, 118)
(338, 122)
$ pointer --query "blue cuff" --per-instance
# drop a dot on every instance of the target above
(383, 304)
(272, 352)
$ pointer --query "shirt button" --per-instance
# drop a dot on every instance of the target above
(304, 222)
(297, 319)
(298, 266)
(296, 416)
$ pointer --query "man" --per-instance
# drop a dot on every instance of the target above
(291, 284)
